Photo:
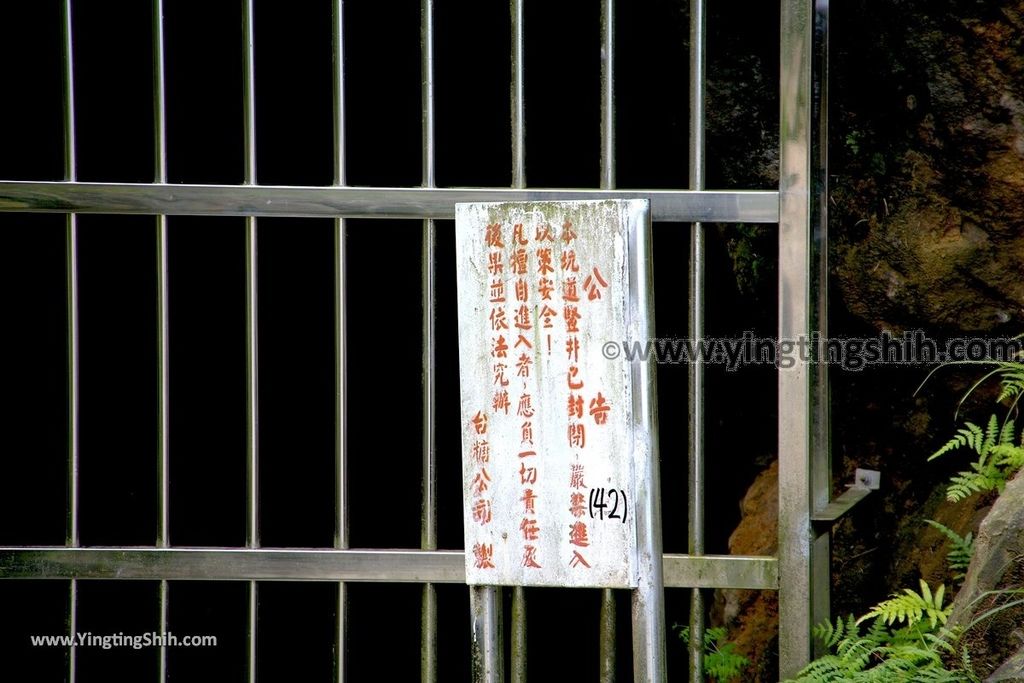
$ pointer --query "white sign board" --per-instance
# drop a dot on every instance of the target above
(548, 423)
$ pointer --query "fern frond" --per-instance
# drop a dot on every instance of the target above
(970, 435)
(830, 635)
(1012, 382)
(1006, 433)
(965, 484)
(909, 654)
(991, 435)
(961, 548)
(1008, 456)
(721, 662)
(912, 607)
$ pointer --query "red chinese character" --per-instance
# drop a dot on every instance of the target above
(577, 436)
(480, 482)
(522, 318)
(573, 371)
(572, 349)
(501, 401)
(497, 292)
(527, 454)
(499, 374)
(530, 557)
(568, 234)
(518, 262)
(569, 261)
(523, 366)
(578, 534)
(576, 507)
(483, 555)
(482, 511)
(531, 532)
(575, 405)
(527, 433)
(494, 236)
(522, 290)
(572, 317)
(599, 409)
(544, 262)
(545, 287)
(517, 234)
(576, 476)
(494, 262)
(527, 475)
(528, 497)
(569, 292)
(481, 452)
(498, 321)
(544, 234)
(480, 422)
(592, 291)
(523, 341)
(577, 560)
(546, 314)
(499, 348)
(525, 408)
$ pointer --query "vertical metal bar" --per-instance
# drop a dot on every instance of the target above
(518, 116)
(608, 94)
(340, 358)
(71, 246)
(695, 498)
(160, 176)
(486, 657)
(648, 597)
(428, 526)
(820, 437)
(607, 614)
(795, 538)
(251, 326)
(518, 652)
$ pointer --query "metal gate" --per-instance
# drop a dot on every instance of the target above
(800, 572)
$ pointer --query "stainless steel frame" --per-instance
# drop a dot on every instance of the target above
(388, 566)
(718, 206)
(799, 207)
(695, 459)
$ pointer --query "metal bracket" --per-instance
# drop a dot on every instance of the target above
(865, 481)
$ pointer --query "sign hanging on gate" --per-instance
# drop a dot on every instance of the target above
(549, 431)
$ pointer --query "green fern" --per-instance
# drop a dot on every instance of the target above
(999, 458)
(912, 653)
(958, 559)
(911, 607)
(721, 661)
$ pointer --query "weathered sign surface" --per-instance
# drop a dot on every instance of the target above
(548, 423)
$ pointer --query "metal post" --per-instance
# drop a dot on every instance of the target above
(607, 613)
(649, 596)
(486, 658)
(695, 499)
(251, 328)
(519, 643)
(340, 360)
(71, 241)
(163, 437)
(795, 320)
(428, 527)
(820, 438)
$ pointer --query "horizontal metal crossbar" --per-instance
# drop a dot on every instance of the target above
(388, 566)
(719, 206)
